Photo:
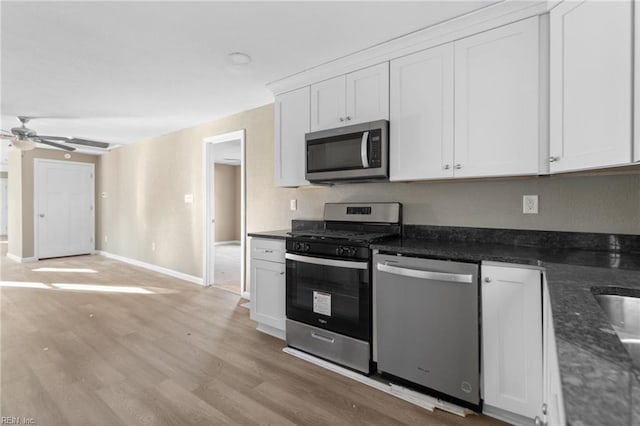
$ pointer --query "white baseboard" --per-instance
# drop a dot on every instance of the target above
(152, 267)
(21, 259)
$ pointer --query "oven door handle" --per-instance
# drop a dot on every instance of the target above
(364, 150)
(425, 275)
(327, 262)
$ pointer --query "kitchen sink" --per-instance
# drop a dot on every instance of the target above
(624, 315)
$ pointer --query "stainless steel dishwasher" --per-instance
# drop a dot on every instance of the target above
(426, 327)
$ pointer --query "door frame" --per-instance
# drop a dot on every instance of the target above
(36, 205)
(209, 212)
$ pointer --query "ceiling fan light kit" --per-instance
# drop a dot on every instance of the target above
(23, 143)
(25, 139)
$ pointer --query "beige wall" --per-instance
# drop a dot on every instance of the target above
(21, 165)
(147, 181)
(567, 203)
(227, 202)
(238, 200)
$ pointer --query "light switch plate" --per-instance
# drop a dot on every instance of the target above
(293, 205)
(188, 198)
(530, 204)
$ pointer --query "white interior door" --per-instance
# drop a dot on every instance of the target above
(64, 208)
(4, 205)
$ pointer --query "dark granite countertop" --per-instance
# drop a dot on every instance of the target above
(280, 234)
(600, 383)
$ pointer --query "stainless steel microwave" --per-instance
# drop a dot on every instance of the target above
(352, 153)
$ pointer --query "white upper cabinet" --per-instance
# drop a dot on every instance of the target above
(328, 104)
(353, 98)
(591, 85)
(497, 95)
(291, 124)
(421, 99)
(512, 350)
(368, 94)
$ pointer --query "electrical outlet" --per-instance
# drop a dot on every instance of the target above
(188, 198)
(530, 204)
(293, 205)
(104, 195)
(153, 246)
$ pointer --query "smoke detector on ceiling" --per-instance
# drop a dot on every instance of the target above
(239, 58)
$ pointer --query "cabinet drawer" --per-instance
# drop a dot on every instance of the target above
(266, 249)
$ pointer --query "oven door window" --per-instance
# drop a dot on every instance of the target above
(342, 152)
(331, 297)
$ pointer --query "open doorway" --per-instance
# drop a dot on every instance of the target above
(224, 186)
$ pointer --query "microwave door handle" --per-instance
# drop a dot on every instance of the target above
(364, 150)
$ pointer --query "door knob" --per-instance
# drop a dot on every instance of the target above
(446, 166)
(41, 215)
(348, 118)
(458, 166)
(341, 119)
(487, 280)
(553, 159)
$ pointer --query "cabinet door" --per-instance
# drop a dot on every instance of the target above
(496, 101)
(421, 93)
(328, 104)
(552, 390)
(590, 84)
(512, 339)
(291, 124)
(368, 94)
(268, 293)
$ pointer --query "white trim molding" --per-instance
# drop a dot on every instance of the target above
(152, 267)
(208, 208)
(19, 259)
(484, 19)
(226, 243)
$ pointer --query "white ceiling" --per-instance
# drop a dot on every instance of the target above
(124, 71)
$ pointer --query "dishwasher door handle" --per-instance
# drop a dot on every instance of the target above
(425, 275)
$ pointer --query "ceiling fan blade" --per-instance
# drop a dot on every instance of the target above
(89, 142)
(54, 144)
(79, 141)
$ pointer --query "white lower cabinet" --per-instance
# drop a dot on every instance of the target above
(553, 404)
(268, 285)
(512, 344)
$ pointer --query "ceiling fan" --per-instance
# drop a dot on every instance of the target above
(25, 139)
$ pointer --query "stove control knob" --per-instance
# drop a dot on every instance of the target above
(339, 251)
(352, 251)
(299, 246)
(307, 247)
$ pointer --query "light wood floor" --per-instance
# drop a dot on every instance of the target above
(178, 355)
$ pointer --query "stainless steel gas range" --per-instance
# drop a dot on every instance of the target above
(329, 275)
